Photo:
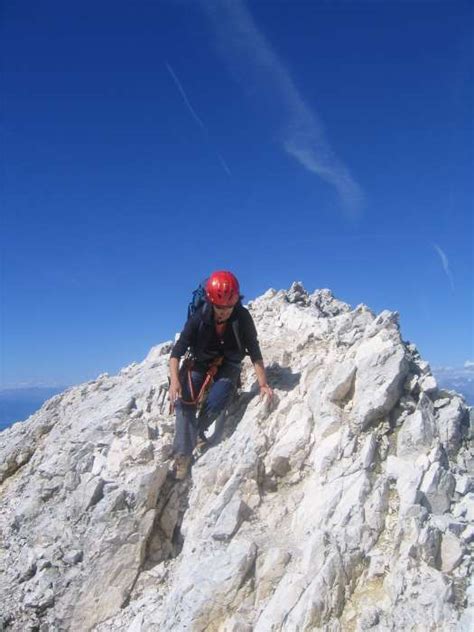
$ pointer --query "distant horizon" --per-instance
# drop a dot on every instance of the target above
(17, 410)
(460, 371)
(465, 369)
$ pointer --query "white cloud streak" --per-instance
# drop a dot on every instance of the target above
(195, 116)
(303, 136)
(224, 164)
(185, 98)
(445, 264)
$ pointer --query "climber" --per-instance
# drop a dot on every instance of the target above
(219, 334)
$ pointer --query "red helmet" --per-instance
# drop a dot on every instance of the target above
(222, 289)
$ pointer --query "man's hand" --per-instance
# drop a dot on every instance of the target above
(266, 391)
(175, 391)
(175, 385)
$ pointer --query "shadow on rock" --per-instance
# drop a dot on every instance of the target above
(279, 377)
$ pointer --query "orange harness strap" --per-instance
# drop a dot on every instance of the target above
(210, 373)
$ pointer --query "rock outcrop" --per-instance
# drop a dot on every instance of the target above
(347, 505)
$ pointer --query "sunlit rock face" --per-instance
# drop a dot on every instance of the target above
(346, 505)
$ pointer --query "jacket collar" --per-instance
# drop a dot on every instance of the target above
(207, 314)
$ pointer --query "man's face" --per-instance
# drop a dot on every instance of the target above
(221, 314)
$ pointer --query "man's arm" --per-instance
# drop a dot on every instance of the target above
(253, 347)
(185, 340)
(265, 389)
(175, 385)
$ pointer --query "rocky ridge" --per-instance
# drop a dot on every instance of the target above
(349, 505)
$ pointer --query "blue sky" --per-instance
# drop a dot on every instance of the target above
(149, 143)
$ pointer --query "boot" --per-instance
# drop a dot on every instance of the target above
(181, 466)
(202, 443)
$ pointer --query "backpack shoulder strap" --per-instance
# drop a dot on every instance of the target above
(235, 329)
(202, 312)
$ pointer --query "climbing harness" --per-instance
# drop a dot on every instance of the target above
(199, 399)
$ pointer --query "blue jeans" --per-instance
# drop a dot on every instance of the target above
(219, 395)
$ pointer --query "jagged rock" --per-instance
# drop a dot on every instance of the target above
(381, 370)
(450, 418)
(270, 569)
(464, 484)
(341, 382)
(468, 534)
(418, 431)
(428, 545)
(369, 619)
(26, 565)
(73, 557)
(297, 294)
(408, 477)
(221, 574)
(438, 487)
(230, 519)
(292, 441)
(441, 402)
(465, 508)
(423, 366)
(39, 599)
(447, 522)
(428, 384)
(327, 305)
(89, 491)
(451, 552)
(347, 505)
(236, 624)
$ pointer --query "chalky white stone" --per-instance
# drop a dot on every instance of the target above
(347, 504)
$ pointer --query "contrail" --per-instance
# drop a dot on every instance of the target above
(196, 117)
(185, 98)
(445, 263)
(224, 164)
(302, 134)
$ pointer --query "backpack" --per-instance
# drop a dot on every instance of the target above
(198, 299)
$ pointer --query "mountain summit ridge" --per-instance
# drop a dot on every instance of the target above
(347, 505)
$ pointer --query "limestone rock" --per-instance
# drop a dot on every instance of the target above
(451, 552)
(418, 431)
(438, 487)
(347, 505)
(381, 370)
(270, 569)
(450, 420)
(230, 519)
(428, 384)
(465, 508)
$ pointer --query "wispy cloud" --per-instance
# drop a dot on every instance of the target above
(445, 264)
(195, 116)
(302, 134)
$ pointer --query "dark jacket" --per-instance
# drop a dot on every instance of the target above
(200, 335)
